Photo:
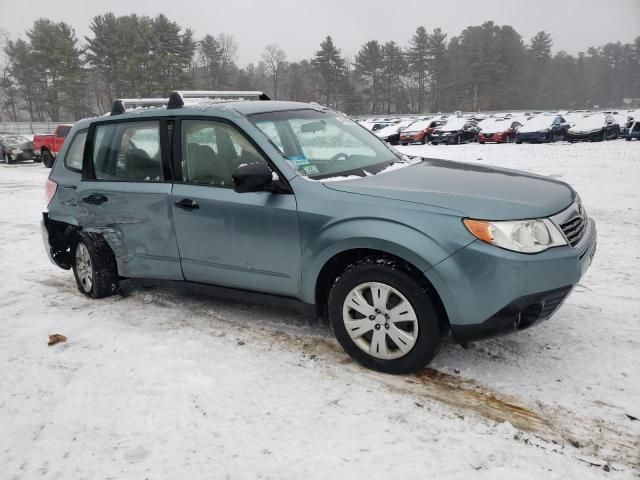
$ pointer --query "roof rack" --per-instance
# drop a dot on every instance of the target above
(120, 105)
(177, 99)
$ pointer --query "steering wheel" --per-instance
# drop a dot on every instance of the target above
(335, 158)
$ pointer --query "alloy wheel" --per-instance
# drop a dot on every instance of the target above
(380, 320)
(84, 267)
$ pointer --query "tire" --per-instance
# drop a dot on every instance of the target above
(518, 142)
(47, 159)
(422, 335)
(94, 266)
(628, 139)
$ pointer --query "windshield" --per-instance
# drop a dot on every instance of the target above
(324, 144)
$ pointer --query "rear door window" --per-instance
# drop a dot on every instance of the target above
(128, 151)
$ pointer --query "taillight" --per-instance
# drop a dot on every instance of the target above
(50, 189)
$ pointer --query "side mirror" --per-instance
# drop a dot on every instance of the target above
(252, 177)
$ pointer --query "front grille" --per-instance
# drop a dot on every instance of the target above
(574, 229)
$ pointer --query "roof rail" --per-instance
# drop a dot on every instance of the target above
(177, 99)
(120, 105)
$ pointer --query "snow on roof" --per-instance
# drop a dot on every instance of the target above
(419, 125)
(588, 123)
(495, 125)
(391, 129)
(539, 122)
(454, 124)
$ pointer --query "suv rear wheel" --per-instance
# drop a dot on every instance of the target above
(94, 266)
(385, 319)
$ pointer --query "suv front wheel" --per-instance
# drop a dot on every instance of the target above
(94, 266)
(384, 318)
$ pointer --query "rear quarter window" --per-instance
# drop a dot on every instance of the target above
(73, 157)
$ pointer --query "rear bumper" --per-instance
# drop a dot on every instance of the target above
(488, 291)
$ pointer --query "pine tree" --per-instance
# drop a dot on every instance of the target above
(369, 65)
(330, 66)
(437, 65)
(60, 78)
(418, 57)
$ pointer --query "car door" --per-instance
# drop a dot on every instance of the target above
(125, 195)
(241, 240)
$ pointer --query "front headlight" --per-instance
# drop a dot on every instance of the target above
(525, 236)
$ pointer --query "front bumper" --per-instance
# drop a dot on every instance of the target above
(537, 137)
(584, 136)
(448, 139)
(496, 137)
(414, 138)
(488, 291)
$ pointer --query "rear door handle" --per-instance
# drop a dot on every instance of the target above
(187, 204)
(95, 199)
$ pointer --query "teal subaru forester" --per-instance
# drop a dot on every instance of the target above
(297, 201)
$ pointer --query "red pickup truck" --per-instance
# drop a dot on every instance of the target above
(46, 146)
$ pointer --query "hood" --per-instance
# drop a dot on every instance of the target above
(472, 190)
(17, 142)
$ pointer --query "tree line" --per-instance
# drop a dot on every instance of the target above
(52, 75)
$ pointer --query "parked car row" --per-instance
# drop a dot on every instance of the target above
(440, 129)
(528, 128)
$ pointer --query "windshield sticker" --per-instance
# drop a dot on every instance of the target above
(299, 160)
(310, 169)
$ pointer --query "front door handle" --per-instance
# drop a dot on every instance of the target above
(187, 204)
(95, 199)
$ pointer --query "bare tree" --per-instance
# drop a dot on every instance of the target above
(275, 60)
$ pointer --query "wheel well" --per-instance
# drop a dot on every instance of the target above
(61, 238)
(332, 270)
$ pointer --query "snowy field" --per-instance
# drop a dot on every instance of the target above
(162, 384)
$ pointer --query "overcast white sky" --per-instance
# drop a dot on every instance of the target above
(299, 26)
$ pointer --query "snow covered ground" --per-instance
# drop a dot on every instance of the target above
(167, 384)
